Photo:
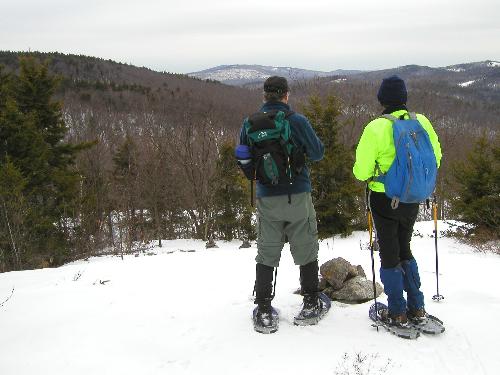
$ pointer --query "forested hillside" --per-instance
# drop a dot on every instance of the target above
(151, 152)
(104, 85)
(460, 115)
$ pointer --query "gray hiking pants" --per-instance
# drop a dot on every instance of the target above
(278, 221)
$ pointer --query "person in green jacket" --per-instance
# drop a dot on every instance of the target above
(374, 155)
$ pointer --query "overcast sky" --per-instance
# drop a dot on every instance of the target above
(190, 35)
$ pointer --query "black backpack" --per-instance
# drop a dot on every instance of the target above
(276, 159)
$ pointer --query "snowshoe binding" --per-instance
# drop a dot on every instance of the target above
(313, 310)
(425, 323)
(399, 326)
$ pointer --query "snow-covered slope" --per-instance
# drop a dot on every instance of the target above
(180, 312)
(480, 65)
(244, 74)
(485, 74)
(481, 75)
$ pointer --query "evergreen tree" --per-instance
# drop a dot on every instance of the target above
(126, 174)
(32, 133)
(95, 229)
(232, 198)
(476, 181)
(13, 214)
(336, 195)
(247, 228)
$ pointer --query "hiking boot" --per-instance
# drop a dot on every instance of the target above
(418, 316)
(399, 320)
(265, 319)
(314, 308)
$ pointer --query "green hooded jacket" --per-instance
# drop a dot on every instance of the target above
(376, 145)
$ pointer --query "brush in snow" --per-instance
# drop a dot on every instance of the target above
(313, 310)
(378, 313)
(265, 320)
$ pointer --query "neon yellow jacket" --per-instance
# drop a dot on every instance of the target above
(376, 145)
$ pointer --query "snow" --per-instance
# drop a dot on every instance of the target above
(457, 70)
(233, 73)
(182, 312)
(494, 64)
(466, 84)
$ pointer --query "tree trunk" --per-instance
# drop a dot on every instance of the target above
(14, 247)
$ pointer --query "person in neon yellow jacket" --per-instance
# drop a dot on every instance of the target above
(374, 155)
(376, 145)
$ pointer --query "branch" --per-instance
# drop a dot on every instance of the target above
(8, 298)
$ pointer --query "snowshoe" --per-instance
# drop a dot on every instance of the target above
(425, 323)
(265, 319)
(379, 313)
(313, 310)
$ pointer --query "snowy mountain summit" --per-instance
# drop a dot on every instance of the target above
(483, 73)
(247, 74)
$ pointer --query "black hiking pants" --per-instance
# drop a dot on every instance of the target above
(394, 228)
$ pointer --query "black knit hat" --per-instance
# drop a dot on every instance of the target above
(392, 92)
(276, 84)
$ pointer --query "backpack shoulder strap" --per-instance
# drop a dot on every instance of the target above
(412, 115)
(390, 117)
(274, 111)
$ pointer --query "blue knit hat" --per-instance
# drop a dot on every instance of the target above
(392, 92)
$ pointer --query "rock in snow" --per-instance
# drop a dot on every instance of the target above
(356, 290)
(346, 283)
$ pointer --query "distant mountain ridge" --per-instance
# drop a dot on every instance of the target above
(240, 75)
(483, 73)
(99, 85)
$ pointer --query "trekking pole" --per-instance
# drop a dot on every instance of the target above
(437, 297)
(370, 230)
(251, 193)
(370, 226)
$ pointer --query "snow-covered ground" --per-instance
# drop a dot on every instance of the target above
(466, 84)
(180, 312)
(233, 73)
(457, 70)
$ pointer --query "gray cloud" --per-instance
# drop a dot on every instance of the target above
(190, 35)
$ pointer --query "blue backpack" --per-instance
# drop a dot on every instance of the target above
(412, 176)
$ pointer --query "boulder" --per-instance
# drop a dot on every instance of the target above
(361, 271)
(355, 290)
(353, 272)
(336, 271)
(323, 283)
(341, 281)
